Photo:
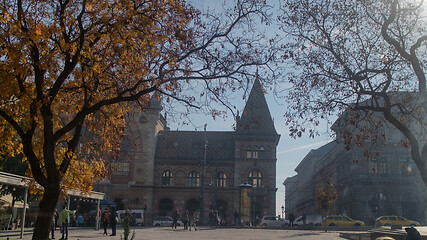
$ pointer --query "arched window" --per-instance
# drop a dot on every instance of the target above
(193, 179)
(167, 178)
(221, 179)
(255, 178)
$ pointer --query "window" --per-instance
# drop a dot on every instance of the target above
(374, 166)
(408, 168)
(261, 152)
(380, 197)
(248, 152)
(255, 152)
(382, 167)
(194, 179)
(255, 178)
(221, 179)
(120, 168)
(167, 178)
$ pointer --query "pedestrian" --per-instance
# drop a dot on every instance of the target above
(185, 220)
(53, 225)
(64, 220)
(304, 218)
(413, 234)
(175, 217)
(105, 219)
(80, 220)
(236, 218)
(113, 221)
(217, 218)
(291, 219)
(192, 221)
(56, 219)
(211, 217)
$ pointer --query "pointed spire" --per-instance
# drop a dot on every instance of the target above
(256, 117)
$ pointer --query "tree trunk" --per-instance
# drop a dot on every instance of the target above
(422, 165)
(46, 209)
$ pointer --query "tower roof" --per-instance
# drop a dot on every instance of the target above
(256, 118)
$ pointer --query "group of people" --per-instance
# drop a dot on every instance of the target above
(189, 220)
(109, 218)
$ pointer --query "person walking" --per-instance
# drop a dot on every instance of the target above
(105, 219)
(175, 217)
(192, 221)
(185, 220)
(113, 221)
(53, 225)
(236, 218)
(64, 219)
(291, 219)
(304, 218)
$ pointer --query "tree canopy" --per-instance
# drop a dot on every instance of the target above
(70, 71)
(366, 58)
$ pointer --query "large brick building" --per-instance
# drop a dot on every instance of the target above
(163, 169)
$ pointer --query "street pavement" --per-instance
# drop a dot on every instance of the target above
(202, 233)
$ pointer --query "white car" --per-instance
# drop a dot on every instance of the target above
(316, 220)
(165, 221)
(137, 216)
(273, 221)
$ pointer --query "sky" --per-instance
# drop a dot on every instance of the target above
(290, 151)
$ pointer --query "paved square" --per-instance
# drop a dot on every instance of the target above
(204, 233)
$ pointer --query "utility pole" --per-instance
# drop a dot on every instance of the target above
(202, 187)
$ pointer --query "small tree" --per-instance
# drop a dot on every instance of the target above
(326, 195)
(126, 226)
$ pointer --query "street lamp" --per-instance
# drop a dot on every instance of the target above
(283, 211)
(202, 187)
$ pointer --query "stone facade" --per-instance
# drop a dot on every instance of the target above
(163, 169)
(387, 183)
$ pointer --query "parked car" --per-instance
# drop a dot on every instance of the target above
(339, 220)
(165, 221)
(316, 220)
(273, 221)
(394, 220)
(137, 216)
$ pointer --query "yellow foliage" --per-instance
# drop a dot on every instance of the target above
(75, 64)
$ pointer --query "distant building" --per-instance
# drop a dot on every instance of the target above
(388, 183)
(163, 169)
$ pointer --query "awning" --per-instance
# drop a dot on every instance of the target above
(107, 203)
(6, 201)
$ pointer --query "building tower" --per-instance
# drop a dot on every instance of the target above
(256, 140)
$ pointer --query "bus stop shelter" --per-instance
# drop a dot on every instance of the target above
(21, 181)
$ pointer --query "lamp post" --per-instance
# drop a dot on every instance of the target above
(202, 183)
(283, 211)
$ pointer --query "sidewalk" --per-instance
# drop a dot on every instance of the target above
(205, 233)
